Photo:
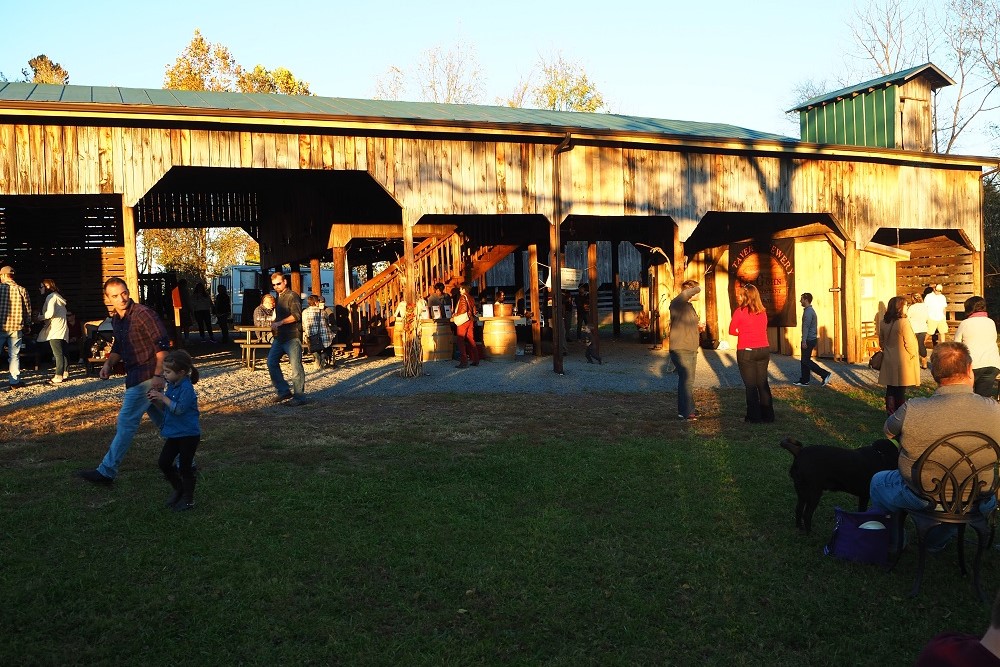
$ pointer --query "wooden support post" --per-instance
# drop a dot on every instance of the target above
(837, 298)
(295, 278)
(411, 357)
(533, 296)
(555, 248)
(616, 291)
(594, 320)
(131, 259)
(317, 278)
(340, 277)
(711, 296)
(852, 293)
(678, 261)
(555, 292)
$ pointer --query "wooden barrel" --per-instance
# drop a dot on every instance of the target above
(500, 338)
(436, 340)
(397, 340)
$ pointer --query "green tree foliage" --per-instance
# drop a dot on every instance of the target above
(232, 245)
(565, 86)
(198, 253)
(42, 70)
(203, 65)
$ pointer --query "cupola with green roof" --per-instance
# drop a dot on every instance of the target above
(893, 111)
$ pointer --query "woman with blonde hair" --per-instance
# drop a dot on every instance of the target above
(900, 354)
(753, 353)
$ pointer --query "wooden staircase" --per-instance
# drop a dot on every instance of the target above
(448, 260)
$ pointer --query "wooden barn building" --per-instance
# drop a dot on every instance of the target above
(855, 212)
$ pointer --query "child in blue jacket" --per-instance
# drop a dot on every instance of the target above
(181, 429)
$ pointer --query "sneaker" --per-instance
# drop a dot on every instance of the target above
(95, 477)
(283, 397)
(827, 379)
(799, 383)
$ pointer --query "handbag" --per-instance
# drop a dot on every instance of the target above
(862, 537)
(460, 319)
(875, 363)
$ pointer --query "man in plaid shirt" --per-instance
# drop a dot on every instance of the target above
(141, 342)
(15, 321)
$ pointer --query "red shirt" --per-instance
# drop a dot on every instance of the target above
(953, 649)
(749, 328)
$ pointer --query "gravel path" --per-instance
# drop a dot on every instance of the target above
(628, 367)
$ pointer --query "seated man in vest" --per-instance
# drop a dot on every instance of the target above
(919, 422)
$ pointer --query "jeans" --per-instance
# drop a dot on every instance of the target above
(293, 348)
(807, 365)
(921, 343)
(753, 369)
(57, 354)
(204, 320)
(984, 383)
(14, 340)
(134, 405)
(685, 361)
(890, 492)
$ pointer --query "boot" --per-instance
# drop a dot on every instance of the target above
(187, 498)
(890, 404)
(175, 482)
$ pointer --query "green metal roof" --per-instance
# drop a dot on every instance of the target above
(939, 80)
(338, 107)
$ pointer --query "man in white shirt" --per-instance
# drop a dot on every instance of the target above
(937, 321)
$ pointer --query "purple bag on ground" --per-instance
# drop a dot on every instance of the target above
(862, 537)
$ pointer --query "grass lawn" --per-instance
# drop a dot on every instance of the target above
(456, 530)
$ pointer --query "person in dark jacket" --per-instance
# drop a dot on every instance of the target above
(683, 340)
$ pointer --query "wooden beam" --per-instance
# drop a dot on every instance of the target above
(317, 278)
(131, 258)
(616, 291)
(339, 275)
(594, 319)
(536, 329)
(851, 296)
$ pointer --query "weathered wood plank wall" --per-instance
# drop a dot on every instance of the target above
(437, 176)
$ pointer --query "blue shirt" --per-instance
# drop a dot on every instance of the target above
(181, 418)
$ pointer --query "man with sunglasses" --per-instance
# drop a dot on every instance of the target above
(287, 330)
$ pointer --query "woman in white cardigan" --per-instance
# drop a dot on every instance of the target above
(979, 333)
(56, 329)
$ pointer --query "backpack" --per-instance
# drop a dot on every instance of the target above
(862, 537)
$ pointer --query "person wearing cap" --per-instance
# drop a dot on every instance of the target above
(937, 320)
(15, 320)
(142, 343)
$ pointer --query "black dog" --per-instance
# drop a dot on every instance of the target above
(822, 468)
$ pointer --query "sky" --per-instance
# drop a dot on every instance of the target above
(725, 61)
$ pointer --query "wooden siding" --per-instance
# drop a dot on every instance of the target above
(448, 177)
(939, 260)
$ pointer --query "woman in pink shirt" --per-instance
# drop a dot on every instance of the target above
(753, 353)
